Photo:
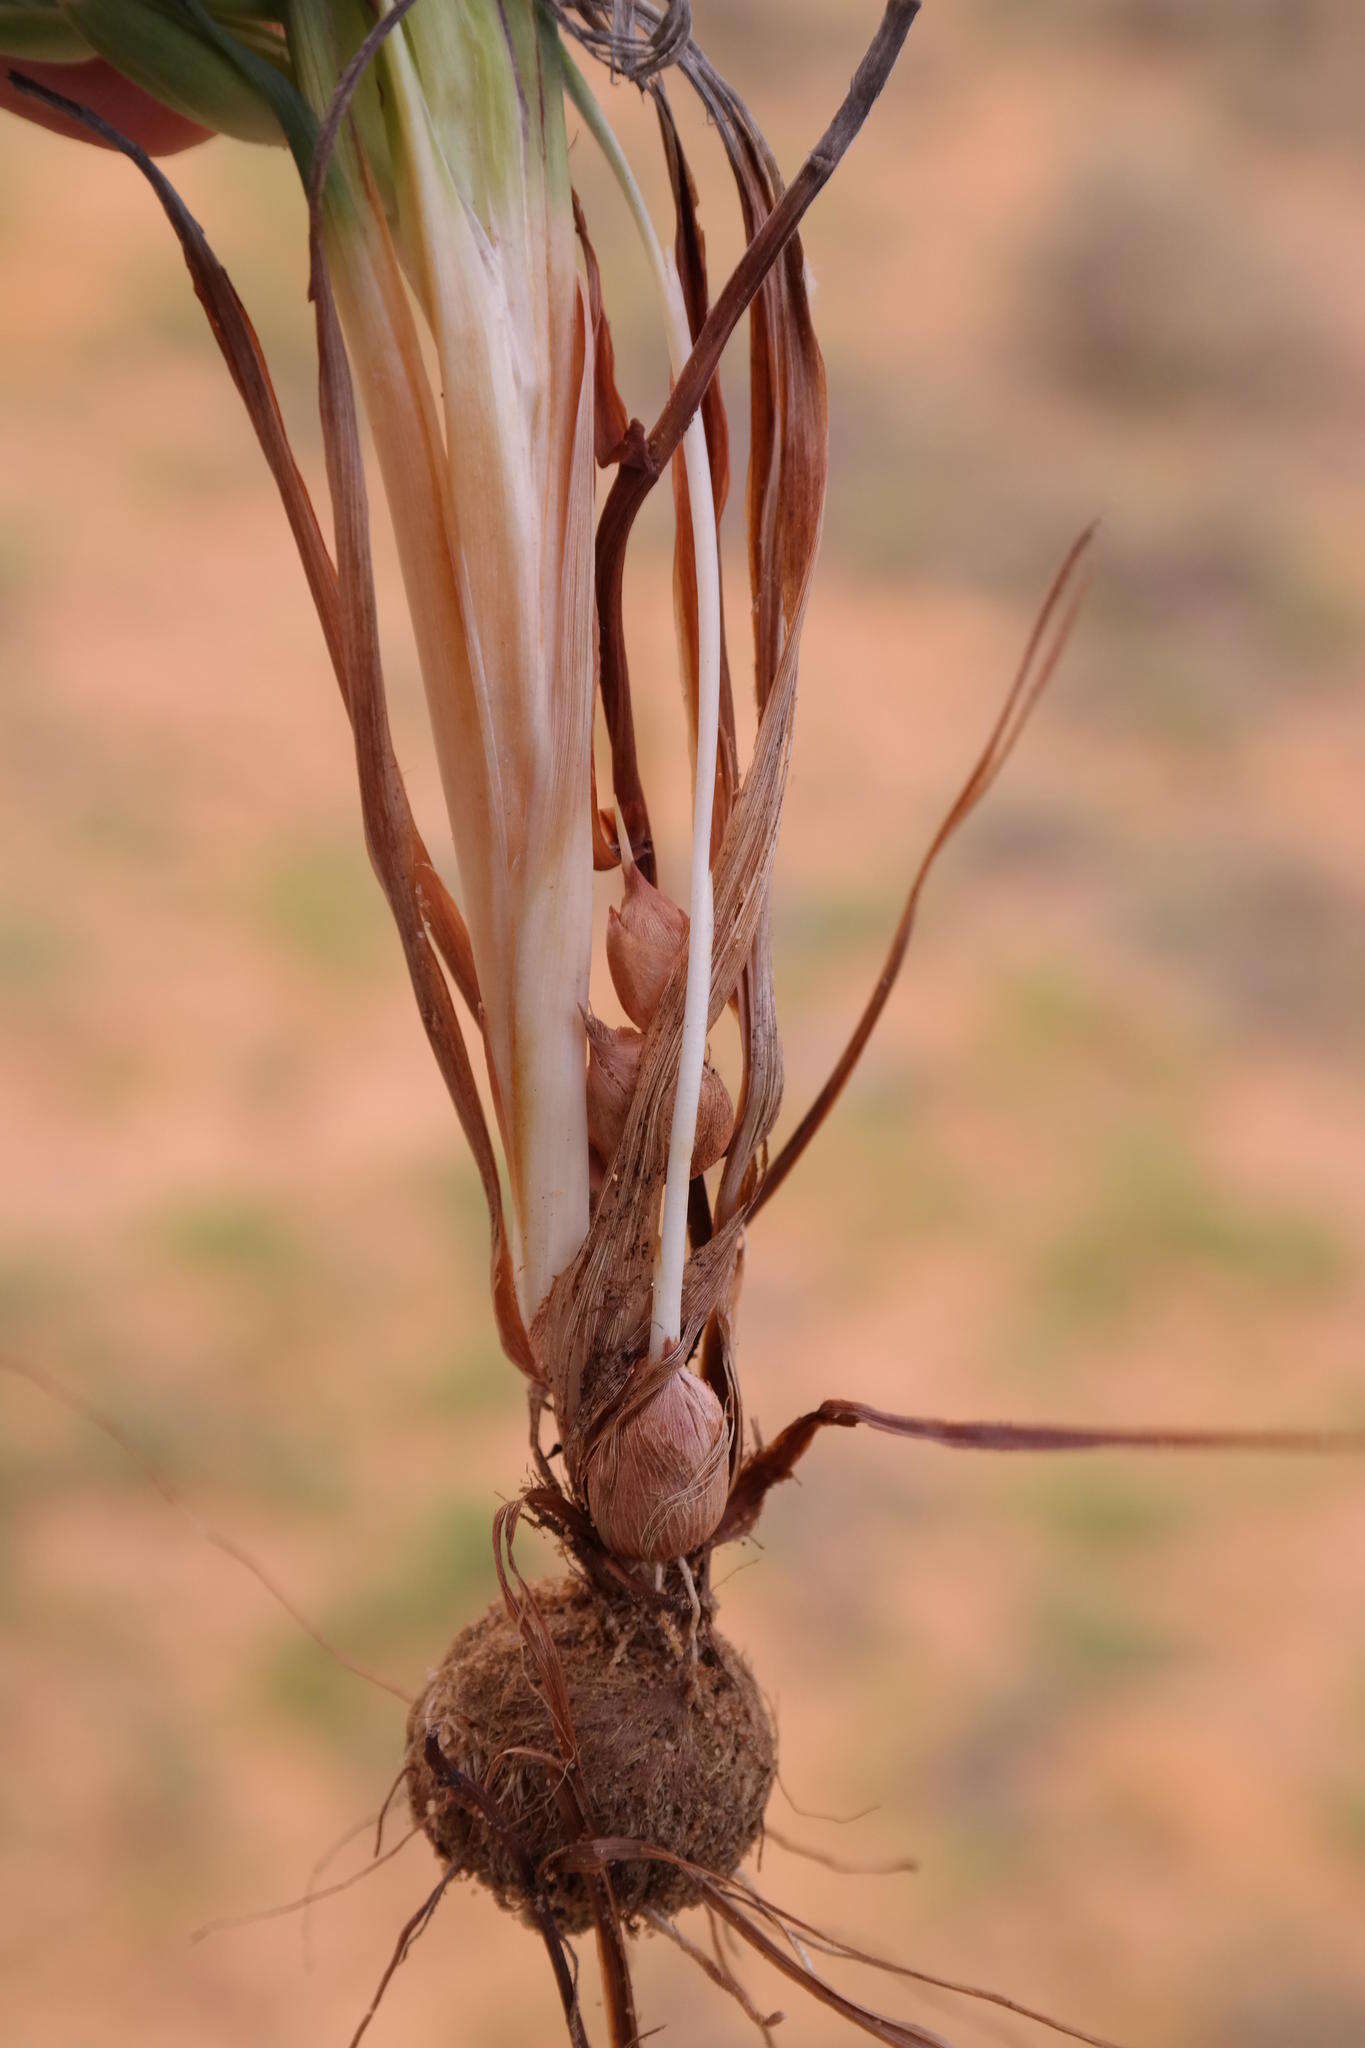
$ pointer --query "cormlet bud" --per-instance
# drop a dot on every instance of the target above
(658, 1484)
(715, 1121)
(644, 938)
(613, 1064)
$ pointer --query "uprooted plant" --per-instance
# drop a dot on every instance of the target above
(592, 1750)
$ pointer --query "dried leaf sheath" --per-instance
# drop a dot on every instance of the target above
(380, 780)
(492, 509)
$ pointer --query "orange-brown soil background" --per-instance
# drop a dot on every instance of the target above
(1104, 1161)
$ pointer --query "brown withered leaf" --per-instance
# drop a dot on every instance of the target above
(613, 666)
(592, 1312)
(778, 1460)
(786, 488)
(625, 1378)
(718, 1367)
(689, 250)
(606, 853)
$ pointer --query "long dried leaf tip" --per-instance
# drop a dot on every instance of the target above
(450, 208)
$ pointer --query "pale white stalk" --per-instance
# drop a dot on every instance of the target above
(666, 1320)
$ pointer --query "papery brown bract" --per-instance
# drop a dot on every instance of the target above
(644, 939)
(613, 1068)
(658, 1479)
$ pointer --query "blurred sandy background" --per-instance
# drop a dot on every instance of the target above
(1103, 1162)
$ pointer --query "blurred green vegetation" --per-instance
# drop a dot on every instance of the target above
(1098, 1514)
(1278, 943)
(1083, 1640)
(34, 953)
(397, 1621)
(234, 1235)
(319, 902)
(1052, 1026)
(1281, 2005)
(1344, 1817)
(1153, 1216)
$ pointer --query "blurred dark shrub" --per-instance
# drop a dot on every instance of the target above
(1292, 68)
(1150, 286)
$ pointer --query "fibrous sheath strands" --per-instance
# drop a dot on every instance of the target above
(673, 1753)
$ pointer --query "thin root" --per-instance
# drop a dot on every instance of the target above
(413, 1930)
(839, 1820)
(896, 1866)
(329, 1854)
(694, 1601)
(717, 1971)
(232, 1921)
(174, 1498)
